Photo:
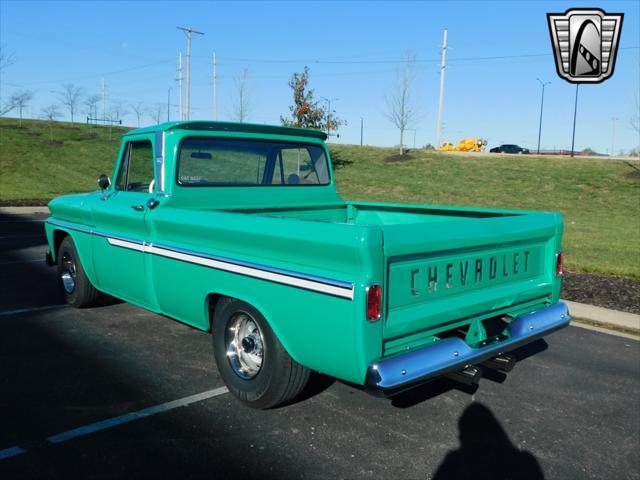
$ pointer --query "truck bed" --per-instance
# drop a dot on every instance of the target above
(378, 214)
(446, 268)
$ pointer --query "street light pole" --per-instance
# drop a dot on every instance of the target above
(361, 130)
(613, 135)
(575, 111)
(543, 84)
(168, 103)
(443, 66)
(329, 100)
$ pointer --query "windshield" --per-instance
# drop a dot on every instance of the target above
(224, 162)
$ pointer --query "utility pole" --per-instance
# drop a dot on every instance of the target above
(443, 66)
(575, 111)
(361, 130)
(104, 98)
(189, 31)
(214, 81)
(541, 107)
(613, 134)
(180, 113)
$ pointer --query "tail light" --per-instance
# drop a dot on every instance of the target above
(559, 264)
(374, 302)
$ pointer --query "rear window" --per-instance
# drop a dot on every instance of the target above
(207, 162)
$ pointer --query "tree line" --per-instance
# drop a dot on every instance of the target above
(306, 111)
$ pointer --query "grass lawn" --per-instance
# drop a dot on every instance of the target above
(600, 203)
(32, 169)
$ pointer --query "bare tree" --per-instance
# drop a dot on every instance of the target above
(157, 112)
(7, 106)
(138, 109)
(91, 105)
(241, 105)
(20, 100)
(635, 117)
(70, 97)
(50, 113)
(116, 112)
(6, 58)
(400, 109)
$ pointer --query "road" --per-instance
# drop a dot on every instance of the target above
(568, 412)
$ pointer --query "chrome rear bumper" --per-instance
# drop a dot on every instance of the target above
(392, 375)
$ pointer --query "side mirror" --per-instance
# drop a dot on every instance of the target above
(103, 182)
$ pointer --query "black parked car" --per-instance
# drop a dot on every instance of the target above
(509, 149)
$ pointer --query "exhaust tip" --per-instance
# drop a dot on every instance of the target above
(502, 363)
(468, 376)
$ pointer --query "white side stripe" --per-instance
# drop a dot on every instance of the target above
(123, 243)
(338, 291)
(252, 272)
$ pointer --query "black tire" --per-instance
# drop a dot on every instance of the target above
(279, 378)
(76, 287)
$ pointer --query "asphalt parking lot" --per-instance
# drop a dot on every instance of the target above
(116, 391)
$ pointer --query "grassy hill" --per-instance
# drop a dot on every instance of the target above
(599, 199)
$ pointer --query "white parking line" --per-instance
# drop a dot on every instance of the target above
(6, 313)
(115, 421)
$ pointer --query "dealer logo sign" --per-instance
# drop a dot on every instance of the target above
(585, 43)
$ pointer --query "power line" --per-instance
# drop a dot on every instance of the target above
(389, 61)
(113, 72)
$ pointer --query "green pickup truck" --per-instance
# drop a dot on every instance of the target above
(238, 229)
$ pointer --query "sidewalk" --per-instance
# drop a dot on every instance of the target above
(23, 210)
(604, 318)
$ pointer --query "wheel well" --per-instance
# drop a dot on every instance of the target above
(58, 237)
(212, 302)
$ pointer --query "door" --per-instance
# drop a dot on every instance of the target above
(121, 231)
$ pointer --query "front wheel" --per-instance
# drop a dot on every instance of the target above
(252, 362)
(76, 286)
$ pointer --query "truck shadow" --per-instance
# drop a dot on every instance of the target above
(486, 452)
(30, 282)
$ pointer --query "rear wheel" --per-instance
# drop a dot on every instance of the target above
(252, 362)
(78, 290)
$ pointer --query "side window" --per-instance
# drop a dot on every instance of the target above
(136, 171)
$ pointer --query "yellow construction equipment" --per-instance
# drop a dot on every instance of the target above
(465, 145)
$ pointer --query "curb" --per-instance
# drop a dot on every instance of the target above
(604, 317)
(23, 210)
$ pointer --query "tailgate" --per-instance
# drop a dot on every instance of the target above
(439, 277)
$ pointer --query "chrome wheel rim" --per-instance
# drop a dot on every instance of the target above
(68, 275)
(245, 346)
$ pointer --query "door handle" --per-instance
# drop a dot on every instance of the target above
(138, 208)
(152, 203)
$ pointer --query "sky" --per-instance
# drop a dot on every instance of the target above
(353, 51)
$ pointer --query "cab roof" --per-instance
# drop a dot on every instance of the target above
(231, 127)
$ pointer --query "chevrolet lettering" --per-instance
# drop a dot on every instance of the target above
(238, 230)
